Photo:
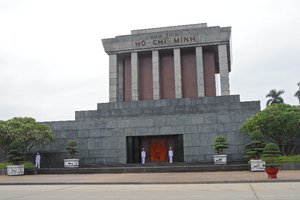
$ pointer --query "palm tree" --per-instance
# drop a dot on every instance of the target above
(275, 97)
(297, 94)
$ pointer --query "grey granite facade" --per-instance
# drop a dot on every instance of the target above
(101, 134)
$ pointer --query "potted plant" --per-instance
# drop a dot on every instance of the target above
(220, 145)
(72, 150)
(270, 155)
(254, 151)
(15, 156)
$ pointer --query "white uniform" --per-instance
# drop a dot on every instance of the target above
(170, 154)
(38, 160)
(143, 156)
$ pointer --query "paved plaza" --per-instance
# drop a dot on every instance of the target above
(153, 178)
(243, 191)
(130, 186)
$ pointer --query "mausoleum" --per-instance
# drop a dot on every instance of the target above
(168, 87)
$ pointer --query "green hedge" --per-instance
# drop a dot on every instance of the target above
(27, 165)
(289, 158)
(4, 164)
(282, 159)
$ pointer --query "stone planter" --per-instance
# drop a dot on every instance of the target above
(73, 163)
(220, 159)
(257, 165)
(15, 170)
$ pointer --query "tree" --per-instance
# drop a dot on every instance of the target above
(72, 148)
(26, 130)
(279, 123)
(275, 97)
(270, 153)
(220, 144)
(297, 94)
(15, 153)
(255, 148)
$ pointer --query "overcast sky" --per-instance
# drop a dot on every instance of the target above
(52, 62)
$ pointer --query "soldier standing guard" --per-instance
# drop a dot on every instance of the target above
(170, 154)
(38, 160)
(143, 156)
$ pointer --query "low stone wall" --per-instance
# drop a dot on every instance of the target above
(290, 166)
(3, 171)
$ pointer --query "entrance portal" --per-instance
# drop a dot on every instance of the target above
(156, 148)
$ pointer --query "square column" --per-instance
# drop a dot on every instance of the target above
(134, 76)
(113, 78)
(155, 72)
(120, 81)
(200, 72)
(177, 74)
(224, 73)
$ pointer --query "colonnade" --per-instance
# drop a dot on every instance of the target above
(116, 76)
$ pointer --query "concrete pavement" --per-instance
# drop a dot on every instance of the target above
(152, 178)
(234, 191)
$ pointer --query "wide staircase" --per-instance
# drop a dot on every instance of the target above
(146, 168)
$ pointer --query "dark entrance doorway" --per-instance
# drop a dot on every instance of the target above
(156, 148)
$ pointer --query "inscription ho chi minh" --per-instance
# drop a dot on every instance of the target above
(165, 39)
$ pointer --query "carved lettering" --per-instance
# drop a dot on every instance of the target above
(176, 40)
(158, 40)
(137, 44)
(156, 36)
(193, 39)
(186, 39)
(140, 43)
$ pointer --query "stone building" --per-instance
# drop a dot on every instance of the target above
(168, 87)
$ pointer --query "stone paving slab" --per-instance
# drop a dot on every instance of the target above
(151, 178)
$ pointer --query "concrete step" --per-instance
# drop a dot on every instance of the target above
(147, 168)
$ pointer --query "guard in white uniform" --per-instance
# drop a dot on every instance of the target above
(143, 156)
(38, 160)
(170, 154)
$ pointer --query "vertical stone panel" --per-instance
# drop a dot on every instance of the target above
(224, 73)
(155, 74)
(177, 72)
(145, 77)
(189, 74)
(200, 72)
(127, 79)
(120, 91)
(167, 78)
(113, 77)
(134, 76)
(209, 74)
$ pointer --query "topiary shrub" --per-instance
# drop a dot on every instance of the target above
(270, 155)
(15, 154)
(72, 148)
(220, 144)
(255, 148)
